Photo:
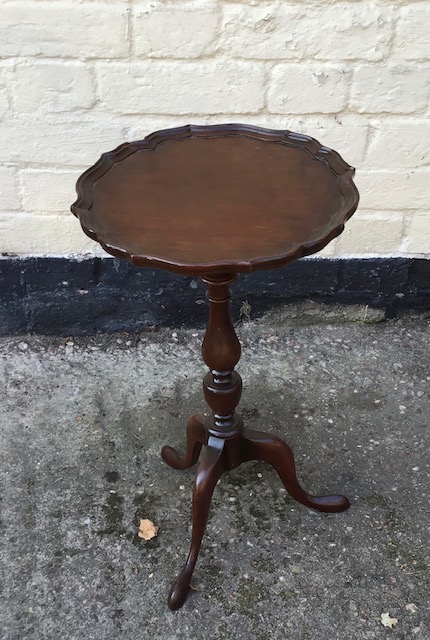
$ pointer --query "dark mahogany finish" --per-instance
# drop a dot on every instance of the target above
(215, 201)
(228, 443)
(224, 198)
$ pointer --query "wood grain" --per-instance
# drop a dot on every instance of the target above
(224, 198)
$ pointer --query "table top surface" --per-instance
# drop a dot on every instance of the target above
(216, 199)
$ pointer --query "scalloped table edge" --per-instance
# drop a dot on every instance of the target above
(331, 158)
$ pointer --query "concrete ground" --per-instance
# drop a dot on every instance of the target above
(82, 424)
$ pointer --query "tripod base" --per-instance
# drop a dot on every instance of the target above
(222, 454)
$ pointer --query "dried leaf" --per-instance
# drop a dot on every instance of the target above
(147, 529)
(411, 607)
(193, 586)
(387, 621)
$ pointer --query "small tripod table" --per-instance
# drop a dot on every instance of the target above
(214, 201)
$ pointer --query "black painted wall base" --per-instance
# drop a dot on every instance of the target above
(75, 297)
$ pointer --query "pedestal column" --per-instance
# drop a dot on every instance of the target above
(222, 386)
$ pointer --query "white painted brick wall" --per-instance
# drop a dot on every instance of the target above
(53, 86)
(64, 29)
(315, 88)
(406, 140)
(391, 88)
(79, 77)
(343, 31)
(186, 30)
(412, 40)
(44, 190)
(204, 87)
(418, 236)
(395, 190)
(9, 192)
(4, 93)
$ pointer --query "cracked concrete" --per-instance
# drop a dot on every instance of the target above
(82, 424)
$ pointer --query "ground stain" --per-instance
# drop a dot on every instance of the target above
(114, 513)
(28, 517)
(112, 476)
(250, 593)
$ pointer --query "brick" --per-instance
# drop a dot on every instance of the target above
(53, 87)
(54, 235)
(345, 134)
(397, 190)
(311, 88)
(328, 251)
(371, 234)
(312, 3)
(9, 190)
(392, 89)
(73, 142)
(393, 144)
(294, 31)
(412, 41)
(175, 31)
(180, 88)
(63, 29)
(418, 238)
(4, 93)
(50, 143)
(48, 191)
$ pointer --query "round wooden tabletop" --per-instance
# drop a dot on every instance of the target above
(216, 199)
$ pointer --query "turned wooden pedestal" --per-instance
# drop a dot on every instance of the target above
(227, 442)
(213, 202)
